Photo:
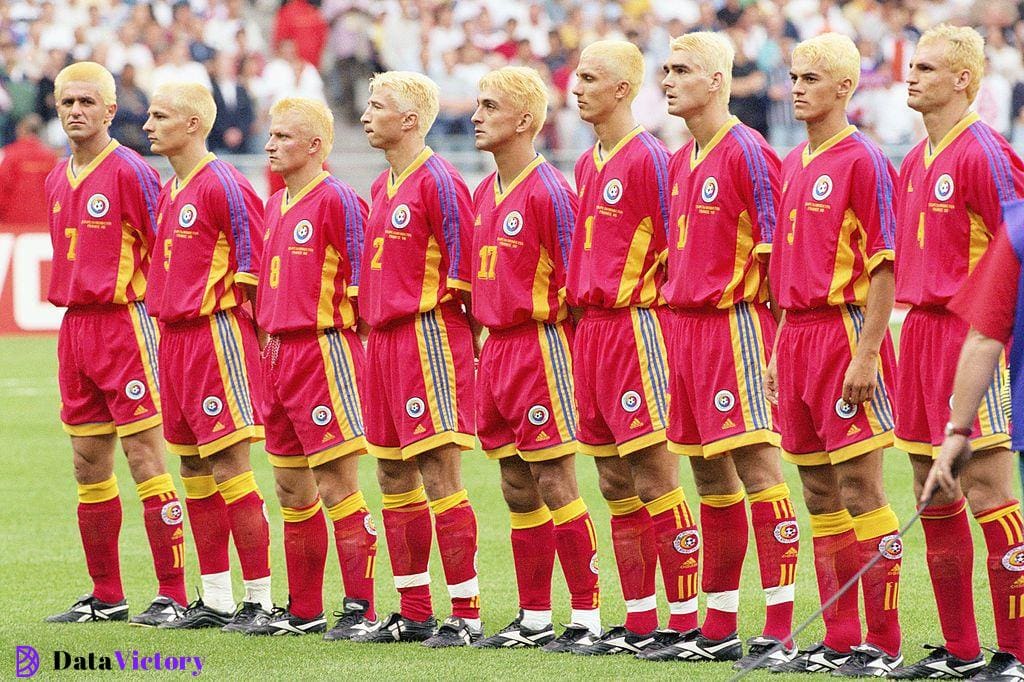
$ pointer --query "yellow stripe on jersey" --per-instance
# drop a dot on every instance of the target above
(431, 275)
(219, 272)
(325, 303)
(741, 274)
(500, 193)
(555, 376)
(128, 271)
(980, 238)
(601, 158)
(698, 155)
(394, 183)
(77, 178)
(809, 155)
(954, 132)
(632, 271)
(340, 414)
(178, 185)
(148, 339)
(542, 286)
(842, 267)
(287, 202)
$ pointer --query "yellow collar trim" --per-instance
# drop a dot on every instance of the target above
(394, 183)
(600, 159)
(178, 185)
(827, 144)
(699, 155)
(287, 203)
(76, 179)
(499, 194)
(954, 132)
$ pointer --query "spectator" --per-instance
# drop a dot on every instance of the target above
(177, 65)
(132, 112)
(288, 75)
(233, 125)
(353, 59)
(23, 169)
(301, 23)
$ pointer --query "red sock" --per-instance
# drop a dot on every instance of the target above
(208, 518)
(99, 523)
(950, 554)
(836, 560)
(249, 527)
(455, 525)
(162, 514)
(778, 546)
(576, 543)
(356, 540)
(305, 555)
(678, 546)
(408, 532)
(636, 557)
(1003, 528)
(533, 553)
(723, 526)
(876, 532)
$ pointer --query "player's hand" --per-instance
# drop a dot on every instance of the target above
(861, 378)
(771, 382)
(955, 453)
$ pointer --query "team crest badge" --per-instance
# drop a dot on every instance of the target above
(135, 389)
(187, 216)
(303, 232)
(944, 187)
(687, 542)
(321, 415)
(822, 188)
(171, 514)
(414, 407)
(98, 205)
(538, 415)
(593, 564)
(513, 224)
(212, 406)
(1014, 559)
(612, 192)
(709, 190)
(724, 400)
(630, 401)
(787, 532)
(845, 410)
(891, 547)
(368, 524)
(400, 217)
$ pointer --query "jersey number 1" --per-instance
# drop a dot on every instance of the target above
(488, 262)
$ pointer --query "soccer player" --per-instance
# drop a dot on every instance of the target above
(831, 273)
(209, 243)
(524, 409)
(102, 222)
(951, 186)
(719, 331)
(310, 367)
(619, 368)
(418, 382)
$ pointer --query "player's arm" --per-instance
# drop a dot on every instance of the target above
(455, 210)
(996, 176)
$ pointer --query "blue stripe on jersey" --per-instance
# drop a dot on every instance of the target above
(343, 380)
(561, 371)
(660, 158)
(997, 163)
(236, 371)
(450, 225)
(564, 218)
(354, 227)
(880, 400)
(239, 215)
(147, 183)
(751, 354)
(883, 190)
(759, 180)
(438, 368)
(149, 338)
(655, 361)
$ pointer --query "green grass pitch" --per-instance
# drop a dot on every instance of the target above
(42, 569)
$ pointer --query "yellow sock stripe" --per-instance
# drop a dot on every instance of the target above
(833, 523)
(350, 505)
(660, 505)
(875, 523)
(592, 533)
(449, 502)
(573, 510)
(237, 487)
(524, 520)
(961, 507)
(722, 501)
(402, 499)
(777, 493)
(158, 485)
(91, 493)
(300, 514)
(1016, 606)
(1009, 518)
(199, 487)
(626, 506)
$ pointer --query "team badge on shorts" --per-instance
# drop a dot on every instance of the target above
(321, 415)
(709, 190)
(212, 405)
(944, 187)
(787, 532)
(98, 205)
(724, 400)
(538, 415)
(845, 410)
(135, 389)
(891, 546)
(630, 401)
(187, 216)
(414, 407)
(593, 564)
(303, 232)
(400, 217)
(612, 191)
(368, 524)
(171, 514)
(1014, 559)
(513, 224)
(687, 542)
(822, 188)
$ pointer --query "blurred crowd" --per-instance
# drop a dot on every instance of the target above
(252, 53)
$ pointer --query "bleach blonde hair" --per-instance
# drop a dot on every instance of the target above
(315, 118)
(191, 99)
(87, 72)
(525, 89)
(836, 53)
(622, 59)
(412, 92)
(965, 51)
(712, 52)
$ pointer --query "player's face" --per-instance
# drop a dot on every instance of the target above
(930, 81)
(815, 93)
(685, 84)
(288, 148)
(166, 127)
(382, 120)
(595, 90)
(82, 112)
(495, 121)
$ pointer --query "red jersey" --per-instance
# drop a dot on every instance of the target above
(211, 237)
(989, 299)
(521, 238)
(949, 209)
(623, 210)
(418, 238)
(724, 202)
(836, 222)
(24, 166)
(312, 243)
(102, 224)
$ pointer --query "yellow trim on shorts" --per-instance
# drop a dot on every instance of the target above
(641, 442)
(648, 355)
(142, 324)
(507, 450)
(133, 428)
(555, 379)
(182, 450)
(252, 433)
(228, 376)
(531, 519)
(603, 450)
(854, 450)
(465, 441)
(549, 453)
(806, 459)
(730, 443)
(356, 446)
(333, 374)
(685, 449)
(384, 452)
(90, 429)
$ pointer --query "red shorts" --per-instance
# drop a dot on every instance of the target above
(418, 387)
(818, 427)
(206, 365)
(717, 362)
(524, 401)
(621, 381)
(310, 397)
(107, 370)
(930, 343)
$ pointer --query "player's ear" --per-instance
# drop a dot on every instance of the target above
(963, 80)
(525, 122)
(410, 121)
(844, 88)
(111, 111)
(622, 89)
(192, 125)
(316, 143)
(716, 82)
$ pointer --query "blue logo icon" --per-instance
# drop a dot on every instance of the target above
(26, 661)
